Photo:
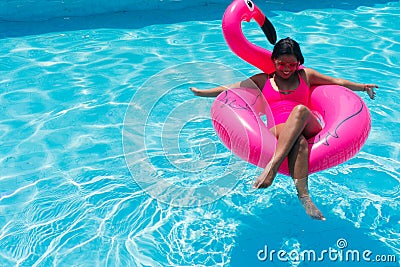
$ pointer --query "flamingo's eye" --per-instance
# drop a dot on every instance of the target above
(249, 4)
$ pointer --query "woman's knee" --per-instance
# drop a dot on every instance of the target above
(301, 112)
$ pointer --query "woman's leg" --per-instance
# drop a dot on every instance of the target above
(300, 122)
(298, 167)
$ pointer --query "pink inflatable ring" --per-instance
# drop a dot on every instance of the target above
(238, 114)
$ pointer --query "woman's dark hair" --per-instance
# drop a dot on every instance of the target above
(287, 46)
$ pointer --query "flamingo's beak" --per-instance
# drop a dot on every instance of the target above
(269, 31)
(266, 25)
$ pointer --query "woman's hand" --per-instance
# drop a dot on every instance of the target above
(213, 92)
(369, 88)
(196, 91)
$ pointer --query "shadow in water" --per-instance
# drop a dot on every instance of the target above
(257, 238)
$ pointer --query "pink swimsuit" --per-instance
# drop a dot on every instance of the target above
(282, 104)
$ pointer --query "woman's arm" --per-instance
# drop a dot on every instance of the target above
(213, 92)
(255, 81)
(316, 78)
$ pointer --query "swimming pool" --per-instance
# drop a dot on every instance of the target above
(97, 119)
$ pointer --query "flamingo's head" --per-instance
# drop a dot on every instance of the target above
(247, 10)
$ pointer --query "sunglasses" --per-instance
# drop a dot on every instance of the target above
(281, 65)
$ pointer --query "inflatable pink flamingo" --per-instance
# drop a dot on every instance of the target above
(236, 113)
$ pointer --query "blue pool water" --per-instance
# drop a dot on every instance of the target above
(107, 159)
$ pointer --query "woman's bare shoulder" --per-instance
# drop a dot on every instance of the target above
(259, 80)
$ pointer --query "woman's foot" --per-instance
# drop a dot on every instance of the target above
(310, 208)
(266, 177)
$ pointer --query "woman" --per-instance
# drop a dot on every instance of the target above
(287, 91)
